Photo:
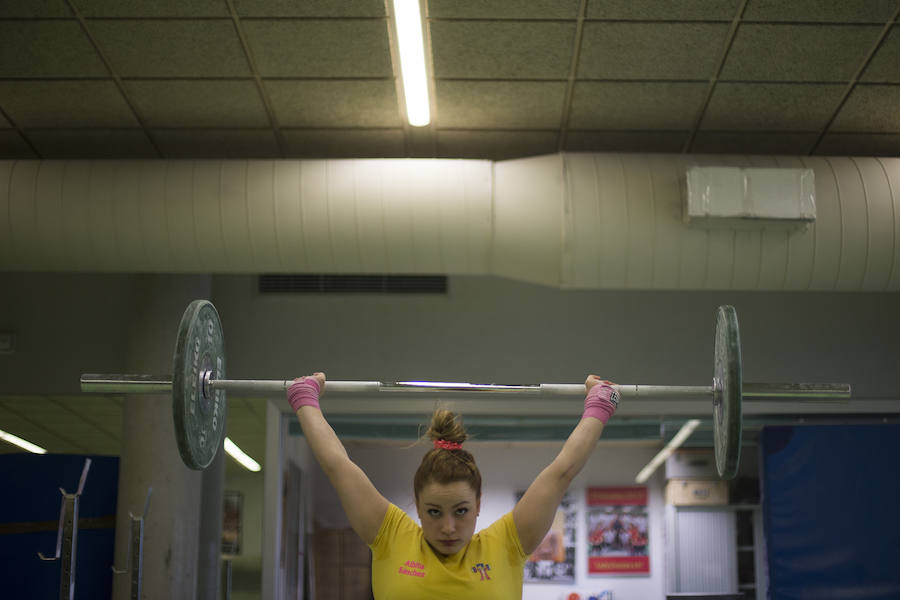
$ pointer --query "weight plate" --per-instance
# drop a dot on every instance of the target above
(727, 414)
(199, 416)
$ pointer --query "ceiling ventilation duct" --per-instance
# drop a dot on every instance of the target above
(587, 221)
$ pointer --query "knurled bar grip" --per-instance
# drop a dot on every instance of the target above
(146, 384)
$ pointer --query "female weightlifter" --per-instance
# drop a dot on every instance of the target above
(444, 557)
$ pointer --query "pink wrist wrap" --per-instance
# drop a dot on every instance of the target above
(601, 402)
(304, 392)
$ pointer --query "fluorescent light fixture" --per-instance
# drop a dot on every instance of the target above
(16, 440)
(411, 46)
(239, 455)
(683, 434)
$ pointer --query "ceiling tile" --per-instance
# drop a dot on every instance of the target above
(499, 104)
(90, 406)
(32, 426)
(339, 143)
(860, 144)
(747, 142)
(14, 146)
(77, 432)
(24, 405)
(805, 52)
(885, 65)
(654, 10)
(504, 65)
(651, 50)
(171, 48)
(244, 409)
(47, 9)
(495, 145)
(239, 420)
(502, 50)
(309, 8)
(334, 48)
(47, 49)
(65, 104)
(636, 105)
(156, 8)
(819, 11)
(421, 142)
(771, 106)
(323, 104)
(216, 143)
(625, 141)
(870, 108)
(509, 9)
(92, 143)
(198, 103)
(106, 448)
(13, 423)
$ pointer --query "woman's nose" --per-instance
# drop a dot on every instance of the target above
(448, 525)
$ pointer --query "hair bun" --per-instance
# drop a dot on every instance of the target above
(446, 426)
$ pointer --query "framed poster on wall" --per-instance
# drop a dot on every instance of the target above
(617, 526)
(231, 522)
(554, 559)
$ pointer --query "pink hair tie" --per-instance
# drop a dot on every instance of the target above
(447, 445)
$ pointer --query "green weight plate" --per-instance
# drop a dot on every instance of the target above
(199, 416)
(727, 414)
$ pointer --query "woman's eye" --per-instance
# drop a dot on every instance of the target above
(434, 512)
(461, 511)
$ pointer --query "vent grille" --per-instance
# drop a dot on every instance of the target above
(352, 284)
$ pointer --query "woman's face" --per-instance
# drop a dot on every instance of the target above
(447, 512)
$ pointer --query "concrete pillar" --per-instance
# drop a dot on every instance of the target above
(150, 455)
(208, 565)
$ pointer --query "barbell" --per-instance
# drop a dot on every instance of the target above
(198, 387)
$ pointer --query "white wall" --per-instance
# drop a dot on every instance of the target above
(65, 325)
(484, 329)
(493, 330)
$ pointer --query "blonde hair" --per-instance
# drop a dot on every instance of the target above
(444, 466)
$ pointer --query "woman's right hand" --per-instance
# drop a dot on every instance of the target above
(318, 376)
(303, 392)
(593, 380)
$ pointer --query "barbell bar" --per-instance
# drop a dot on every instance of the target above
(161, 384)
(198, 387)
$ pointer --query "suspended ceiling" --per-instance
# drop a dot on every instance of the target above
(512, 78)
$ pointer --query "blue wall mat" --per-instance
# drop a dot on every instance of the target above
(31, 495)
(831, 511)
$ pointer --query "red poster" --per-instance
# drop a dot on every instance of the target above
(617, 531)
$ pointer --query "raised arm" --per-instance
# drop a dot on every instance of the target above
(364, 505)
(534, 512)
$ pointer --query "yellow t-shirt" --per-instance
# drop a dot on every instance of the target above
(404, 567)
